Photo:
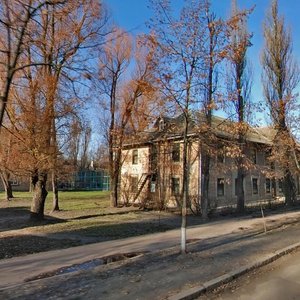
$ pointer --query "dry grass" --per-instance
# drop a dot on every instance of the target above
(84, 217)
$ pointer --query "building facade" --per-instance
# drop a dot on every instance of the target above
(152, 167)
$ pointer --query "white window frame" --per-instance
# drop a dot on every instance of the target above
(135, 162)
(223, 187)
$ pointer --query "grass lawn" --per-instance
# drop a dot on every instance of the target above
(69, 200)
(84, 217)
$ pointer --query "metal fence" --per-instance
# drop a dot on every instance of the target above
(86, 180)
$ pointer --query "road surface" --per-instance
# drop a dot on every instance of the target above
(279, 280)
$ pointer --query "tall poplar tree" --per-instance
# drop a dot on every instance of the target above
(214, 54)
(280, 78)
(239, 87)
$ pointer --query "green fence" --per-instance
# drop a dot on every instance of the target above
(87, 180)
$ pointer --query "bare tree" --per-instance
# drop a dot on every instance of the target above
(123, 94)
(55, 58)
(179, 52)
(239, 87)
(100, 156)
(214, 54)
(280, 78)
(85, 144)
(15, 26)
(6, 162)
(112, 64)
(73, 143)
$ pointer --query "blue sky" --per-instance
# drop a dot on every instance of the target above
(132, 15)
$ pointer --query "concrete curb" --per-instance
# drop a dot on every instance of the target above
(214, 283)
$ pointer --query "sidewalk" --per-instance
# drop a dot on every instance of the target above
(231, 244)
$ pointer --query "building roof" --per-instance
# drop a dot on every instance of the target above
(173, 128)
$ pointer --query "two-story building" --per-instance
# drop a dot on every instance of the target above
(152, 165)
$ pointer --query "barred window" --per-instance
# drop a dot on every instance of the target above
(135, 157)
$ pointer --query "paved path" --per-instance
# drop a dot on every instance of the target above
(16, 270)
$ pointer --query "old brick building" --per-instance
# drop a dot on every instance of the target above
(152, 165)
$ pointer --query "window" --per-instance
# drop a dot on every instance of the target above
(268, 185)
(161, 125)
(175, 186)
(253, 155)
(134, 184)
(254, 186)
(221, 158)
(220, 187)
(220, 155)
(135, 156)
(235, 186)
(280, 186)
(268, 155)
(153, 187)
(153, 184)
(14, 181)
(176, 152)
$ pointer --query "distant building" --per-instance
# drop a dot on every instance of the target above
(18, 183)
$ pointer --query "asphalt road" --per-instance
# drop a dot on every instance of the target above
(279, 280)
(220, 249)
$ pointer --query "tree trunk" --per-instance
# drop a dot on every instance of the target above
(113, 192)
(39, 181)
(114, 179)
(205, 185)
(30, 190)
(7, 185)
(161, 169)
(55, 206)
(289, 189)
(112, 183)
(9, 191)
(3, 101)
(185, 186)
(240, 168)
(240, 190)
(205, 157)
